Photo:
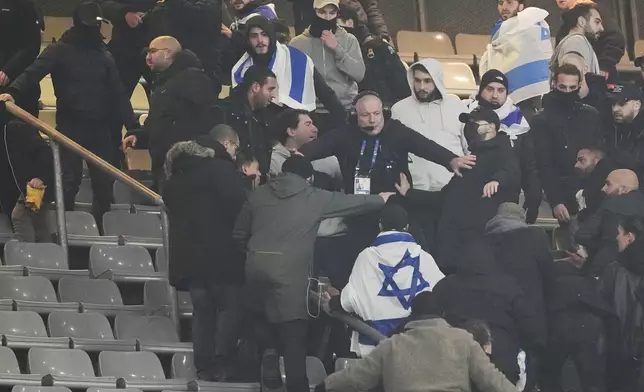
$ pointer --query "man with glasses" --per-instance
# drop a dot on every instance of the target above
(181, 104)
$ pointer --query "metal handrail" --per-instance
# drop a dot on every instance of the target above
(57, 138)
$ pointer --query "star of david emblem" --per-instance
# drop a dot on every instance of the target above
(390, 287)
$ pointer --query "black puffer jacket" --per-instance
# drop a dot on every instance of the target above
(122, 34)
(181, 108)
(20, 45)
(559, 133)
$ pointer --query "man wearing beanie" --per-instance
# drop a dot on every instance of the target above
(493, 94)
(277, 229)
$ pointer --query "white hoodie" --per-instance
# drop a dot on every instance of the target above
(437, 121)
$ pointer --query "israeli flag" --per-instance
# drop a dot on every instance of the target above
(294, 71)
(385, 279)
(521, 48)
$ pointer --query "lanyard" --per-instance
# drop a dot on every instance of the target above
(373, 158)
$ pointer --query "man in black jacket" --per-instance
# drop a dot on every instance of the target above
(19, 46)
(593, 167)
(181, 105)
(597, 233)
(204, 194)
(481, 291)
(130, 35)
(562, 128)
(90, 100)
(628, 141)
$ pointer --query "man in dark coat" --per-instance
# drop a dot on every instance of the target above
(479, 290)
(181, 105)
(277, 228)
(90, 100)
(204, 193)
(627, 143)
(597, 233)
(19, 46)
(562, 128)
(593, 166)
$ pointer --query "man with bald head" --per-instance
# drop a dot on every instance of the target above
(597, 233)
(181, 104)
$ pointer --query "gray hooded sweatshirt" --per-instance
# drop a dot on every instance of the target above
(342, 68)
(575, 42)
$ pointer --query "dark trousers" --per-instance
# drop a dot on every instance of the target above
(96, 138)
(578, 335)
(504, 354)
(215, 320)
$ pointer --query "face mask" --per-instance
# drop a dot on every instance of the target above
(566, 98)
(489, 105)
(319, 25)
(471, 133)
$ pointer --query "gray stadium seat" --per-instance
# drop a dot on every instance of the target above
(134, 227)
(10, 371)
(183, 366)
(45, 259)
(139, 369)
(161, 261)
(81, 223)
(101, 296)
(161, 299)
(87, 331)
(65, 367)
(154, 333)
(127, 263)
(23, 388)
(343, 363)
(315, 371)
(23, 330)
(33, 293)
(6, 229)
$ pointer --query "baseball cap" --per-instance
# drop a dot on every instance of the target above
(318, 4)
(621, 93)
(89, 13)
(481, 114)
(639, 62)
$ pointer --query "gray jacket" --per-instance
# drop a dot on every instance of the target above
(575, 42)
(342, 69)
(277, 228)
(431, 357)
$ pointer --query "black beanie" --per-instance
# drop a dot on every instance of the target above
(394, 217)
(492, 76)
(298, 165)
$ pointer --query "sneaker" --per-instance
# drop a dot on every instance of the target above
(271, 375)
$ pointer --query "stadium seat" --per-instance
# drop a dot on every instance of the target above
(161, 261)
(23, 388)
(23, 330)
(34, 293)
(55, 27)
(428, 44)
(88, 331)
(472, 44)
(343, 363)
(315, 371)
(144, 227)
(459, 79)
(101, 296)
(47, 96)
(139, 99)
(161, 299)
(225, 92)
(154, 333)
(65, 367)
(126, 263)
(10, 371)
(45, 259)
(140, 370)
(625, 65)
(183, 367)
(6, 229)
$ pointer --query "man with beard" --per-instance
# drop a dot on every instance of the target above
(593, 167)
(581, 28)
(611, 43)
(628, 141)
(89, 100)
(493, 94)
(298, 80)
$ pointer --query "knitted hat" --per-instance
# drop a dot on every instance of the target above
(394, 217)
(493, 76)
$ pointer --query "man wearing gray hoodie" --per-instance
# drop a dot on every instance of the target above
(335, 53)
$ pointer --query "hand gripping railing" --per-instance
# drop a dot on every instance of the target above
(55, 139)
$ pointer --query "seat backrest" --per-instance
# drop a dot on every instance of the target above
(183, 366)
(81, 223)
(80, 325)
(141, 365)
(135, 225)
(458, 76)
(120, 259)
(60, 362)
(148, 329)
(23, 388)
(625, 60)
(91, 291)
(315, 371)
(424, 42)
(8, 361)
(28, 324)
(139, 98)
(158, 298)
(161, 261)
(471, 44)
(43, 255)
(5, 225)
(27, 288)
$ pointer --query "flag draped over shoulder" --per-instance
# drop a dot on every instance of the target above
(521, 48)
(294, 71)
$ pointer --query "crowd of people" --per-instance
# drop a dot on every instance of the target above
(333, 167)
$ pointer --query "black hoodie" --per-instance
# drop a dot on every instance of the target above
(181, 108)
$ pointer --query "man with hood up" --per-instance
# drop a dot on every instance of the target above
(90, 100)
(493, 94)
(277, 228)
(335, 53)
(298, 80)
